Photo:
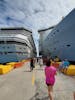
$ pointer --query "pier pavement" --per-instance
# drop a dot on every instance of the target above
(21, 84)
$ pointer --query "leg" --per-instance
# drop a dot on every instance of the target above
(74, 95)
(31, 68)
(63, 69)
(66, 70)
(50, 92)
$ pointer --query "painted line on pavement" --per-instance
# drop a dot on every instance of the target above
(33, 78)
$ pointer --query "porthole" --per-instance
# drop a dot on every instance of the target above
(57, 30)
(53, 33)
(68, 45)
(54, 48)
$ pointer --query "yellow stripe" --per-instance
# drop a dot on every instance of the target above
(33, 78)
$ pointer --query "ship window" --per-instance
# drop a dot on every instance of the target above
(68, 45)
(1, 42)
(1, 53)
(5, 53)
(4, 47)
(57, 30)
(53, 33)
(48, 38)
(10, 52)
(7, 47)
(54, 48)
(12, 42)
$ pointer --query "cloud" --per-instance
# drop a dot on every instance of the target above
(31, 13)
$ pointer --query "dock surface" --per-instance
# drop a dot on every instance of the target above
(21, 84)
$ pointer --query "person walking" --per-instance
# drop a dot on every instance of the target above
(65, 65)
(31, 64)
(40, 62)
(50, 73)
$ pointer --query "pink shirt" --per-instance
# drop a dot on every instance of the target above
(50, 75)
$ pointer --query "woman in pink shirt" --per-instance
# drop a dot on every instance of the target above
(50, 73)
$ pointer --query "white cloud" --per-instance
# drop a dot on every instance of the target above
(39, 13)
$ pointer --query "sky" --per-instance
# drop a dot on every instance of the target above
(33, 14)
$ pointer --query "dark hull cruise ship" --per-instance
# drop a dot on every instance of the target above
(60, 39)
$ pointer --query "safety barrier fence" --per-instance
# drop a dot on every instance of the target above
(12, 65)
(70, 70)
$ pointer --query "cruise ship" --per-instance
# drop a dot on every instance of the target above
(16, 44)
(60, 40)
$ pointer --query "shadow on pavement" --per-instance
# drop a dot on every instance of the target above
(45, 98)
(27, 71)
(35, 97)
(39, 69)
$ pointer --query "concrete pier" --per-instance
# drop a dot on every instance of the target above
(21, 84)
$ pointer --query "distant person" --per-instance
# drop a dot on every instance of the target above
(51, 60)
(61, 66)
(56, 58)
(65, 64)
(44, 60)
(55, 64)
(34, 61)
(50, 73)
(40, 62)
(31, 64)
(37, 60)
